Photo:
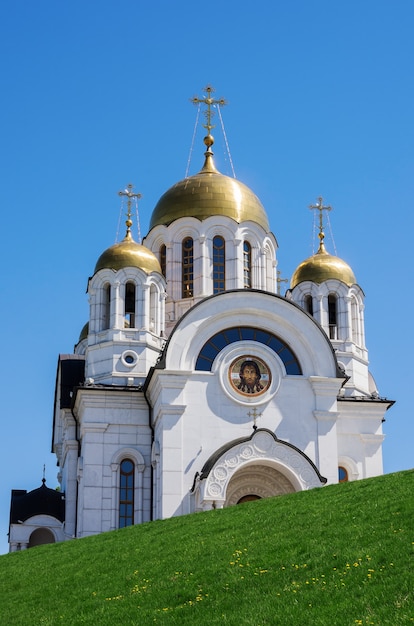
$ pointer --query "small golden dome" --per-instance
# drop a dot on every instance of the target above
(209, 193)
(128, 253)
(84, 332)
(321, 267)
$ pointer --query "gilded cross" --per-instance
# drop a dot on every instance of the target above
(254, 414)
(129, 194)
(319, 206)
(209, 101)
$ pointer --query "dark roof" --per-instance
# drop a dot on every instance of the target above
(72, 367)
(40, 501)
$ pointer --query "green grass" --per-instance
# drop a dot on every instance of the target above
(337, 556)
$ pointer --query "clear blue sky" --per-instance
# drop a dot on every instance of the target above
(96, 95)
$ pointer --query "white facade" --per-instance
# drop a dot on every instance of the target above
(154, 413)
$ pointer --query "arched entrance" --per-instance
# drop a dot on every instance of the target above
(255, 481)
(249, 498)
(41, 536)
(258, 466)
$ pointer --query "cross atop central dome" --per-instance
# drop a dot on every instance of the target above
(209, 192)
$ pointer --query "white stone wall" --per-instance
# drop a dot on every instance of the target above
(263, 256)
(113, 426)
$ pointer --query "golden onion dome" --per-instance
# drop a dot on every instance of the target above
(321, 267)
(84, 332)
(128, 253)
(209, 193)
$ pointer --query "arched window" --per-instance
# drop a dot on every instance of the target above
(309, 304)
(126, 493)
(332, 316)
(130, 305)
(187, 268)
(219, 276)
(224, 338)
(247, 265)
(342, 475)
(154, 310)
(107, 308)
(163, 258)
(355, 321)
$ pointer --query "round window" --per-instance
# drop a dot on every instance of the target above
(129, 358)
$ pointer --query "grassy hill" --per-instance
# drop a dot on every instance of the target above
(337, 556)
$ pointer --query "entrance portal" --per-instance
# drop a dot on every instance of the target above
(248, 498)
(253, 482)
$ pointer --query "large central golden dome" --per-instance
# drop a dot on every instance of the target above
(209, 193)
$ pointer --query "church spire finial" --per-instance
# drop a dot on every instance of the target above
(44, 474)
(129, 194)
(320, 207)
(209, 101)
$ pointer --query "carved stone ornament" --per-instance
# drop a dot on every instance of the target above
(261, 465)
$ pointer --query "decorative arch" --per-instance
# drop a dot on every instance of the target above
(35, 531)
(225, 475)
(257, 481)
(40, 537)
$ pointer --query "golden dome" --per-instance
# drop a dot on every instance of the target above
(84, 332)
(323, 266)
(128, 253)
(209, 193)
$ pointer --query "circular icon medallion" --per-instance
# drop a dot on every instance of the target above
(249, 375)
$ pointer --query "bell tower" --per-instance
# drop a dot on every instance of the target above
(325, 286)
(126, 321)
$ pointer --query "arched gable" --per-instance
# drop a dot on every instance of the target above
(255, 309)
(262, 448)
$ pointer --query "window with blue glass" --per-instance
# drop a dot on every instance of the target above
(220, 340)
(342, 474)
(126, 493)
(219, 273)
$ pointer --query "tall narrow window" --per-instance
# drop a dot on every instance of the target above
(126, 493)
(130, 305)
(187, 268)
(154, 309)
(163, 258)
(332, 316)
(309, 304)
(355, 322)
(107, 308)
(218, 264)
(247, 265)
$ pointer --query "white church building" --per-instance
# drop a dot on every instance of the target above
(195, 384)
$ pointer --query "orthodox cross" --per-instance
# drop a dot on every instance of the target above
(320, 207)
(280, 280)
(254, 414)
(129, 194)
(209, 101)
